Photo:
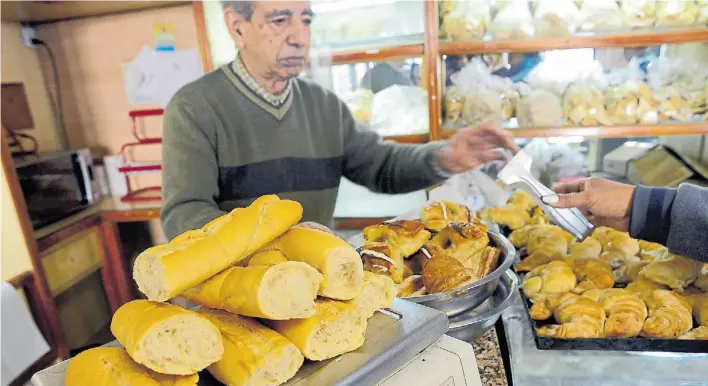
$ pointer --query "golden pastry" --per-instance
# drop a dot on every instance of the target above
(651, 251)
(618, 248)
(675, 271)
(408, 235)
(520, 237)
(702, 282)
(626, 311)
(462, 240)
(545, 245)
(698, 333)
(591, 274)
(522, 200)
(643, 286)
(540, 233)
(669, 315)
(509, 216)
(630, 271)
(538, 217)
(699, 306)
(549, 280)
(579, 317)
(439, 214)
(442, 274)
(411, 286)
(484, 262)
(586, 249)
(383, 259)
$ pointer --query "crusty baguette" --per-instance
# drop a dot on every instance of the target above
(167, 270)
(166, 338)
(335, 329)
(267, 258)
(112, 366)
(280, 291)
(253, 354)
(339, 262)
(377, 292)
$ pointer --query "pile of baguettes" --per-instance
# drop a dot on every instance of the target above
(609, 285)
(271, 294)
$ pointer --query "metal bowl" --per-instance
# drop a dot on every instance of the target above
(465, 298)
(471, 324)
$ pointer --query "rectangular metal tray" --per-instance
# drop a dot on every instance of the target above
(393, 338)
(610, 344)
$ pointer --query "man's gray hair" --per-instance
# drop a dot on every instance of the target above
(243, 8)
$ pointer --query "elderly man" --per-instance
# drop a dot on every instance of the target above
(253, 127)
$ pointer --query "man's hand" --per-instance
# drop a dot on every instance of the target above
(470, 148)
(604, 202)
(314, 225)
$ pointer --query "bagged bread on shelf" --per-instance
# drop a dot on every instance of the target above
(359, 102)
(338, 262)
(166, 338)
(674, 106)
(112, 366)
(540, 109)
(165, 271)
(556, 18)
(702, 18)
(599, 15)
(510, 100)
(280, 291)
(638, 13)
(454, 103)
(253, 353)
(676, 12)
(336, 328)
(512, 21)
(632, 102)
(400, 110)
(377, 292)
(467, 22)
(482, 105)
(584, 105)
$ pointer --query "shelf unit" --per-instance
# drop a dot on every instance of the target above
(432, 50)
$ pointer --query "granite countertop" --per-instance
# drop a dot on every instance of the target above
(489, 359)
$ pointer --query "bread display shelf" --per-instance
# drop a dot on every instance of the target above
(629, 39)
(607, 131)
(392, 340)
(377, 54)
(609, 344)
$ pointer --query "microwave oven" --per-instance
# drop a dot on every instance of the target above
(56, 185)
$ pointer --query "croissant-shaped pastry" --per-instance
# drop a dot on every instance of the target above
(674, 271)
(626, 311)
(544, 246)
(702, 282)
(549, 280)
(651, 251)
(510, 216)
(462, 240)
(591, 274)
(699, 306)
(540, 233)
(630, 271)
(411, 286)
(408, 235)
(484, 262)
(424, 254)
(669, 315)
(383, 259)
(698, 333)
(520, 237)
(579, 317)
(618, 248)
(643, 286)
(442, 274)
(590, 248)
(437, 215)
(521, 200)
(538, 217)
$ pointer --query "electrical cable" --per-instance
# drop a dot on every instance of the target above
(56, 99)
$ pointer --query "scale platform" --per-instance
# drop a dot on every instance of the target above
(394, 353)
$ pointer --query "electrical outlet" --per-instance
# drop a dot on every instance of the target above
(27, 34)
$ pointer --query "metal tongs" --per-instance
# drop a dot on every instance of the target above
(517, 173)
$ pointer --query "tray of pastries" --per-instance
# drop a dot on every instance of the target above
(608, 292)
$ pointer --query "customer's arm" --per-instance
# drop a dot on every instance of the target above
(189, 171)
(677, 218)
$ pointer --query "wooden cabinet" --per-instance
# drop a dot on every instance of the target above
(72, 260)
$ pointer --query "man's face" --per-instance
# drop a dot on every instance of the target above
(277, 38)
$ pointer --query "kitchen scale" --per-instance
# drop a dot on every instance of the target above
(404, 345)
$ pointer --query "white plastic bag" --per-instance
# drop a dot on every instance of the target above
(540, 109)
(676, 12)
(702, 17)
(400, 110)
(638, 13)
(481, 93)
(359, 102)
(598, 15)
(513, 21)
(556, 18)
(468, 20)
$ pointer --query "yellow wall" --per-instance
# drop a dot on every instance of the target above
(20, 64)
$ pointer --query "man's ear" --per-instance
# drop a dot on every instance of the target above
(234, 22)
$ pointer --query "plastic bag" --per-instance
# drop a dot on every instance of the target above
(674, 106)
(702, 17)
(584, 105)
(566, 162)
(359, 102)
(556, 76)
(676, 12)
(482, 105)
(513, 21)
(454, 102)
(468, 21)
(510, 101)
(400, 110)
(632, 102)
(481, 91)
(540, 109)
(556, 18)
(598, 15)
(638, 13)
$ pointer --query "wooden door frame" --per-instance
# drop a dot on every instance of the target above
(57, 339)
(202, 36)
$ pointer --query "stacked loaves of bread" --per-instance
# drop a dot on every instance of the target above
(272, 294)
(609, 285)
(446, 249)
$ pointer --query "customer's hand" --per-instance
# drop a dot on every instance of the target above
(604, 202)
(314, 225)
(470, 148)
